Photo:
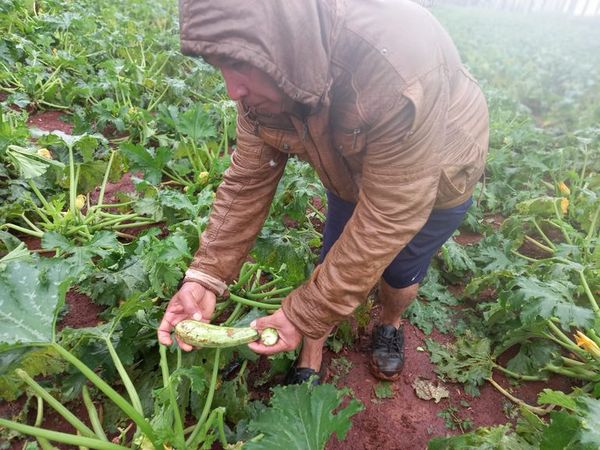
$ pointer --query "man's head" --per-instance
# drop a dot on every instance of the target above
(249, 85)
(289, 41)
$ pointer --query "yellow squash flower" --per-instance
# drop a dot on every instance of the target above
(80, 201)
(564, 205)
(44, 153)
(563, 188)
(587, 344)
(203, 178)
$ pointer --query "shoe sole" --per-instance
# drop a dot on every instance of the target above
(382, 376)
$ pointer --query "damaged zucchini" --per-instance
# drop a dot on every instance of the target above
(200, 334)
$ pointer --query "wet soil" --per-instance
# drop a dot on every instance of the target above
(49, 121)
(400, 422)
(405, 421)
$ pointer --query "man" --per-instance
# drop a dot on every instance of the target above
(374, 96)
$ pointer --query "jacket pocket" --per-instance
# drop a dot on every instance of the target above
(349, 142)
(285, 141)
(453, 182)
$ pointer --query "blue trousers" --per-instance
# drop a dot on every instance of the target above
(411, 264)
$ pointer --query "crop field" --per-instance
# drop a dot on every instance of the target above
(112, 145)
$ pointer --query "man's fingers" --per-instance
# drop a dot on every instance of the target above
(164, 329)
(263, 349)
(183, 346)
(164, 337)
(263, 322)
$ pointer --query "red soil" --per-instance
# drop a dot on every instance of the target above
(406, 422)
(401, 422)
(49, 121)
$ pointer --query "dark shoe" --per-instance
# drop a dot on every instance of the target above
(299, 375)
(387, 352)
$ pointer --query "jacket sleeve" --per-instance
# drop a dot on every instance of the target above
(241, 205)
(398, 190)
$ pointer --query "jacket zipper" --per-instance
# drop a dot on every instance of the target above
(355, 134)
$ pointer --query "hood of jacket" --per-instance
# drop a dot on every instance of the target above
(289, 40)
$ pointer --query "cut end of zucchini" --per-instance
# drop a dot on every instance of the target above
(269, 336)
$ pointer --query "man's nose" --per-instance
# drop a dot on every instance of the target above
(236, 88)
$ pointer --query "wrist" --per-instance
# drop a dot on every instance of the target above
(210, 282)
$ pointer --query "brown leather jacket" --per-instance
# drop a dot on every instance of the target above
(395, 123)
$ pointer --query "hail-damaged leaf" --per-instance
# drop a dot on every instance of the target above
(306, 413)
(32, 293)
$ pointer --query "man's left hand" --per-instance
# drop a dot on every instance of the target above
(289, 336)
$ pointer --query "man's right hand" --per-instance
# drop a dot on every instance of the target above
(192, 301)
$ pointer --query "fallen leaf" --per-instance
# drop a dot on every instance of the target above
(426, 390)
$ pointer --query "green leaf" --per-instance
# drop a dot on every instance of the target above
(35, 361)
(532, 356)
(198, 377)
(101, 245)
(467, 361)
(151, 163)
(429, 315)
(383, 389)
(17, 254)
(590, 433)
(493, 438)
(301, 418)
(456, 258)
(28, 163)
(91, 174)
(234, 396)
(539, 207)
(560, 433)
(550, 397)
(197, 124)
(31, 296)
(547, 299)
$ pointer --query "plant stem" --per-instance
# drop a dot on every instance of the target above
(572, 362)
(93, 414)
(105, 180)
(588, 292)
(68, 415)
(534, 409)
(318, 213)
(23, 230)
(220, 414)
(548, 241)
(38, 422)
(539, 244)
(274, 292)
(190, 443)
(164, 366)
(268, 284)
(139, 223)
(562, 230)
(517, 375)
(527, 258)
(65, 438)
(593, 225)
(109, 392)
(234, 315)
(245, 274)
(574, 372)
(72, 185)
(30, 223)
(565, 341)
(216, 414)
(133, 395)
(247, 302)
